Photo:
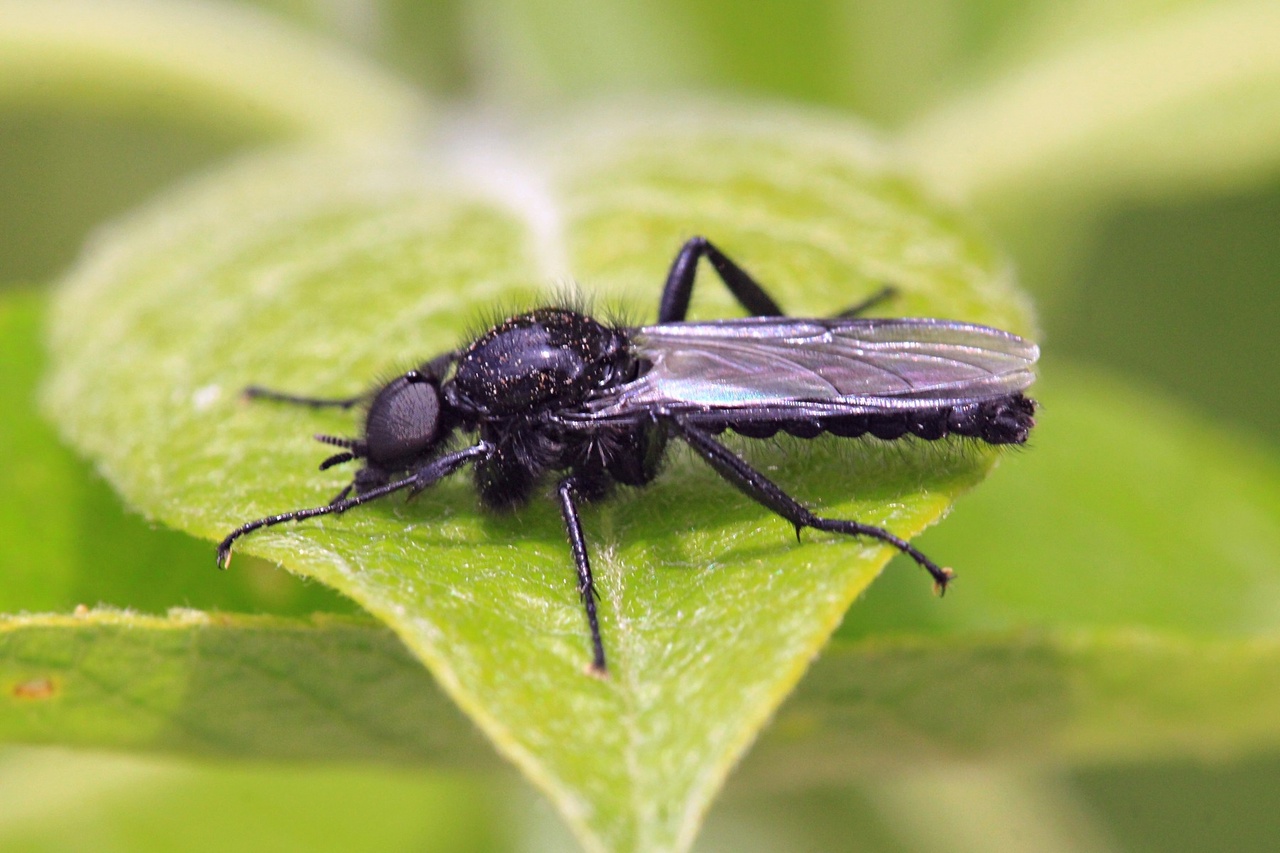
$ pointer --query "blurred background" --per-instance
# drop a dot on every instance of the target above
(1125, 154)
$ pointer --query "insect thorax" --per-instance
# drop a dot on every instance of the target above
(546, 358)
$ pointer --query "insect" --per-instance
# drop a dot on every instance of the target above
(554, 390)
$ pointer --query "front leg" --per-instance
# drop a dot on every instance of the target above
(429, 474)
(568, 494)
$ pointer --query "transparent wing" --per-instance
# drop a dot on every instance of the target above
(777, 366)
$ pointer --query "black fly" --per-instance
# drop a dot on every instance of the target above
(554, 390)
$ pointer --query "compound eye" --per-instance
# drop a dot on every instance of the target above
(403, 422)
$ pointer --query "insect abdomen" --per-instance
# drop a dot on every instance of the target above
(1003, 420)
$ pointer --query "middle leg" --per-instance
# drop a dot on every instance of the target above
(567, 491)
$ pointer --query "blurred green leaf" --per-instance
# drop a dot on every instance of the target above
(1183, 296)
(64, 169)
(881, 59)
(319, 270)
(553, 48)
(1185, 804)
(1036, 697)
(1116, 99)
(218, 59)
(53, 800)
(102, 102)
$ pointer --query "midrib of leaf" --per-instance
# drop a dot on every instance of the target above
(1111, 95)
(485, 159)
(712, 776)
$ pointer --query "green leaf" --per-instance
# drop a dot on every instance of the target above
(319, 271)
(338, 688)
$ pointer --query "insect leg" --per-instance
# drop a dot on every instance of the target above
(336, 459)
(254, 392)
(674, 305)
(338, 506)
(568, 494)
(756, 486)
(434, 470)
(886, 292)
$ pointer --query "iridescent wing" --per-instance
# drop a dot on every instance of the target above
(779, 367)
